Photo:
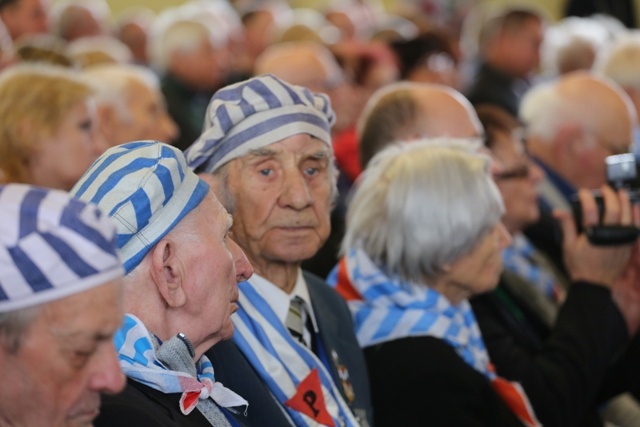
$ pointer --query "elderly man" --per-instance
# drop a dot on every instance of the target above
(180, 289)
(193, 62)
(59, 263)
(572, 125)
(130, 104)
(408, 111)
(267, 145)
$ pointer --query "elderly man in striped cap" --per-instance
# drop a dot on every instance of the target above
(266, 149)
(60, 304)
(180, 289)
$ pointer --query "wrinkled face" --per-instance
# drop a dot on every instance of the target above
(26, 17)
(66, 359)
(517, 181)
(479, 270)
(214, 265)
(282, 199)
(58, 161)
(148, 117)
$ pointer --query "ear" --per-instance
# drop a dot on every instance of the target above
(167, 273)
(568, 141)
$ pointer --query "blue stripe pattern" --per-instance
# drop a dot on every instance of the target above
(256, 113)
(391, 309)
(52, 246)
(147, 188)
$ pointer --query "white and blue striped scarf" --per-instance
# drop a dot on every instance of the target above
(518, 259)
(137, 357)
(391, 309)
(281, 361)
(385, 309)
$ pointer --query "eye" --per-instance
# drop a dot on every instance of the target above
(311, 171)
(265, 172)
(85, 125)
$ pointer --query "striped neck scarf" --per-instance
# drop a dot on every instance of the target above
(294, 374)
(385, 309)
(521, 259)
(137, 352)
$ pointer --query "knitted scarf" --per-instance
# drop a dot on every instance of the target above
(385, 309)
(139, 356)
(294, 374)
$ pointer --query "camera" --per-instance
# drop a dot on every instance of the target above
(622, 172)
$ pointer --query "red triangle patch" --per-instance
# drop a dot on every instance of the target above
(310, 401)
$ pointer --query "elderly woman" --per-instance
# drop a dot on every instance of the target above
(47, 132)
(423, 236)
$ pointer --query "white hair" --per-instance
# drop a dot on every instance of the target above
(108, 47)
(620, 62)
(112, 83)
(421, 205)
(544, 111)
(178, 30)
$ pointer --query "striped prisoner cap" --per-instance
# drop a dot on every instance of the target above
(255, 113)
(146, 188)
(53, 246)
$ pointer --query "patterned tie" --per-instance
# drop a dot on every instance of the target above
(296, 319)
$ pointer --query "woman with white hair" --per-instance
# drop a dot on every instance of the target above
(424, 234)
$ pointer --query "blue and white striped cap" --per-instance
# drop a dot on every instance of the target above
(146, 187)
(255, 113)
(53, 246)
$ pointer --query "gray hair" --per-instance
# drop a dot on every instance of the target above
(422, 205)
(621, 61)
(177, 33)
(13, 326)
(112, 83)
(544, 111)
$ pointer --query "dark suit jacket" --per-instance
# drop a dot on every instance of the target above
(562, 371)
(422, 381)
(491, 86)
(142, 406)
(337, 334)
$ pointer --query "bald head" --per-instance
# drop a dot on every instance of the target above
(575, 122)
(300, 63)
(408, 111)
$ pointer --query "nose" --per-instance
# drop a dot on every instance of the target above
(168, 128)
(504, 237)
(108, 376)
(295, 193)
(100, 144)
(244, 270)
(536, 174)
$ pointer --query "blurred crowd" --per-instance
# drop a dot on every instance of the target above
(403, 182)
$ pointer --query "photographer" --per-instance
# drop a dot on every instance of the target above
(559, 355)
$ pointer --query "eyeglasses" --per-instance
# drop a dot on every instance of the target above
(520, 172)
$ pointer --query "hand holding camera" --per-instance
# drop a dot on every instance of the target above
(598, 263)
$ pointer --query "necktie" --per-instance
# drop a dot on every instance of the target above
(296, 320)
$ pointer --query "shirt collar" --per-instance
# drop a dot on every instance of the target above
(279, 300)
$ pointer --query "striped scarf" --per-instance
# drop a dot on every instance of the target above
(295, 376)
(518, 258)
(385, 309)
(138, 360)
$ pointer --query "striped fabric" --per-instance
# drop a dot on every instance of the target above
(385, 309)
(255, 113)
(53, 246)
(282, 362)
(146, 188)
(138, 359)
(388, 310)
(520, 259)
